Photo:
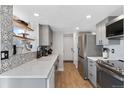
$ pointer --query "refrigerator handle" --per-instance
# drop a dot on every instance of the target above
(78, 50)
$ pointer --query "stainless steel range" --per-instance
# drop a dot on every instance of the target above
(110, 73)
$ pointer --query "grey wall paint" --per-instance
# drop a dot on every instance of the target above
(6, 34)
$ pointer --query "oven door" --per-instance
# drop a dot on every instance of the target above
(99, 78)
(108, 79)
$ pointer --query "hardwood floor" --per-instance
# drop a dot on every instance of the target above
(70, 78)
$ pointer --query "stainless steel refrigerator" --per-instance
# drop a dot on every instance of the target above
(86, 47)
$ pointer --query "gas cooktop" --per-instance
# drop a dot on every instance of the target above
(113, 65)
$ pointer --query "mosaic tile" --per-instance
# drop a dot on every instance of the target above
(5, 65)
(7, 9)
(6, 34)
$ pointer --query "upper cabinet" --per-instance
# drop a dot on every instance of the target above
(101, 26)
(101, 31)
(45, 35)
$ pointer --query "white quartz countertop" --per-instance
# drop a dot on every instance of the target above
(37, 68)
(99, 58)
(95, 58)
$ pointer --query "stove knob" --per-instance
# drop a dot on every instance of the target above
(112, 64)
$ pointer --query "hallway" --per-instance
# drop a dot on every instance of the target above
(70, 78)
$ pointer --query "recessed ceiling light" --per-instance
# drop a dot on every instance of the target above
(77, 28)
(88, 16)
(36, 14)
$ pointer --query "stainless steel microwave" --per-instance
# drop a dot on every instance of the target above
(115, 28)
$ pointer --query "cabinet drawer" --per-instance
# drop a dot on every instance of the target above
(92, 78)
(92, 71)
(91, 65)
(90, 62)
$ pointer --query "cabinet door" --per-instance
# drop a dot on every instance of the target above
(98, 34)
(92, 71)
(45, 35)
(103, 32)
(51, 79)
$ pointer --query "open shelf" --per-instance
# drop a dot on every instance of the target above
(22, 24)
(23, 38)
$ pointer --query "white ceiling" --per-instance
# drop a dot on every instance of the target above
(68, 17)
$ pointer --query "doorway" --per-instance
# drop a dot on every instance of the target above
(68, 48)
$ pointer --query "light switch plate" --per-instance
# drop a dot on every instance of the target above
(4, 55)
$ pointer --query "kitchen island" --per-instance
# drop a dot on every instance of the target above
(39, 73)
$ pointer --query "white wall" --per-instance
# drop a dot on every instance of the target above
(75, 39)
(34, 24)
(58, 47)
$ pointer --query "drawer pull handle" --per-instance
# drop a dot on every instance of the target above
(91, 75)
(91, 61)
(91, 65)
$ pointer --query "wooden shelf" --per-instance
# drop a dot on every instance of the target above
(23, 38)
(22, 24)
(29, 29)
(23, 34)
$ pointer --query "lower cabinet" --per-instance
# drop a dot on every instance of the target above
(25, 82)
(92, 72)
(51, 79)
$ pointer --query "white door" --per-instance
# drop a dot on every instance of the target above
(68, 47)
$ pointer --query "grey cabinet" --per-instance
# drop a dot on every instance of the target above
(92, 72)
(45, 35)
(101, 31)
(51, 78)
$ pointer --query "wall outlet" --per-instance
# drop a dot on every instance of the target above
(113, 51)
(4, 55)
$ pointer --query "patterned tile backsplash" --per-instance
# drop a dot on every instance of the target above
(6, 37)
